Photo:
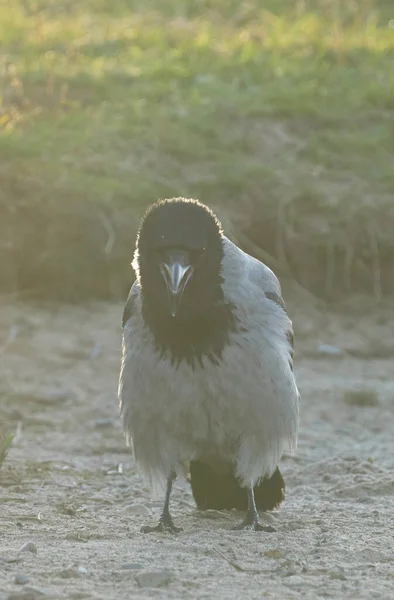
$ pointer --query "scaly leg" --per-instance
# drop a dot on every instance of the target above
(165, 521)
(251, 520)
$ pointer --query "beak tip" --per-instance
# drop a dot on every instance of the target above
(176, 275)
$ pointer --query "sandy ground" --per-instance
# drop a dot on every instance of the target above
(69, 485)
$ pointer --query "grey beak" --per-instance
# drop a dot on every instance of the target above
(176, 275)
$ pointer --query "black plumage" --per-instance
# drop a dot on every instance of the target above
(218, 490)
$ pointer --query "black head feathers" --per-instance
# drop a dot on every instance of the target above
(181, 222)
(183, 228)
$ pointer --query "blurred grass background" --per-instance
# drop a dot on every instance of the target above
(278, 114)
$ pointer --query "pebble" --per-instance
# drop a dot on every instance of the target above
(21, 579)
(268, 518)
(365, 500)
(20, 596)
(100, 498)
(295, 580)
(339, 576)
(28, 547)
(339, 573)
(330, 350)
(147, 579)
(138, 509)
(55, 396)
(273, 554)
(291, 571)
(29, 593)
(95, 351)
(38, 592)
(72, 571)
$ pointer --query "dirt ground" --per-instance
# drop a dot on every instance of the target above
(72, 503)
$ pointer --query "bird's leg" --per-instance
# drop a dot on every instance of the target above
(251, 520)
(165, 521)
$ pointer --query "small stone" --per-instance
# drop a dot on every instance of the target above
(340, 576)
(365, 500)
(78, 537)
(22, 595)
(267, 517)
(95, 351)
(54, 396)
(273, 554)
(73, 571)
(154, 579)
(37, 592)
(291, 571)
(28, 547)
(21, 579)
(295, 581)
(67, 509)
(131, 566)
(69, 572)
(138, 509)
(330, 350)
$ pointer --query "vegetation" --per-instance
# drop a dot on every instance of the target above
(278, 114)
(5, 444)
(361, 397)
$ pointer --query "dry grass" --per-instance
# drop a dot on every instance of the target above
(5, 444)
(361, 397)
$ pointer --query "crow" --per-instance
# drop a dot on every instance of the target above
(206, 376)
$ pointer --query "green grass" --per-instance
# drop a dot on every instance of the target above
(5, 444)
(242, 104)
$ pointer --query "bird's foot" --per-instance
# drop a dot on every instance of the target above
(251, 523)
(165, 525)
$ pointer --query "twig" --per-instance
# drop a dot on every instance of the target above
(18, 433)
(230, 562)
(236, 566)
(348, 261)
(109, 230)
(330, 267)
(280, 243)
(376, 270)
(12, 335)
(5, 443)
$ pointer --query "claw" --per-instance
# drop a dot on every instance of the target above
(251, 523)
(164, 526)
(253, 526)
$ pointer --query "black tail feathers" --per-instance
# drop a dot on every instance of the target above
(222, 491)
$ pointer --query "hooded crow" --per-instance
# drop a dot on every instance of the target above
(206, 376)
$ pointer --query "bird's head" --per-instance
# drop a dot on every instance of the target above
(178, 263)
(178, 255)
